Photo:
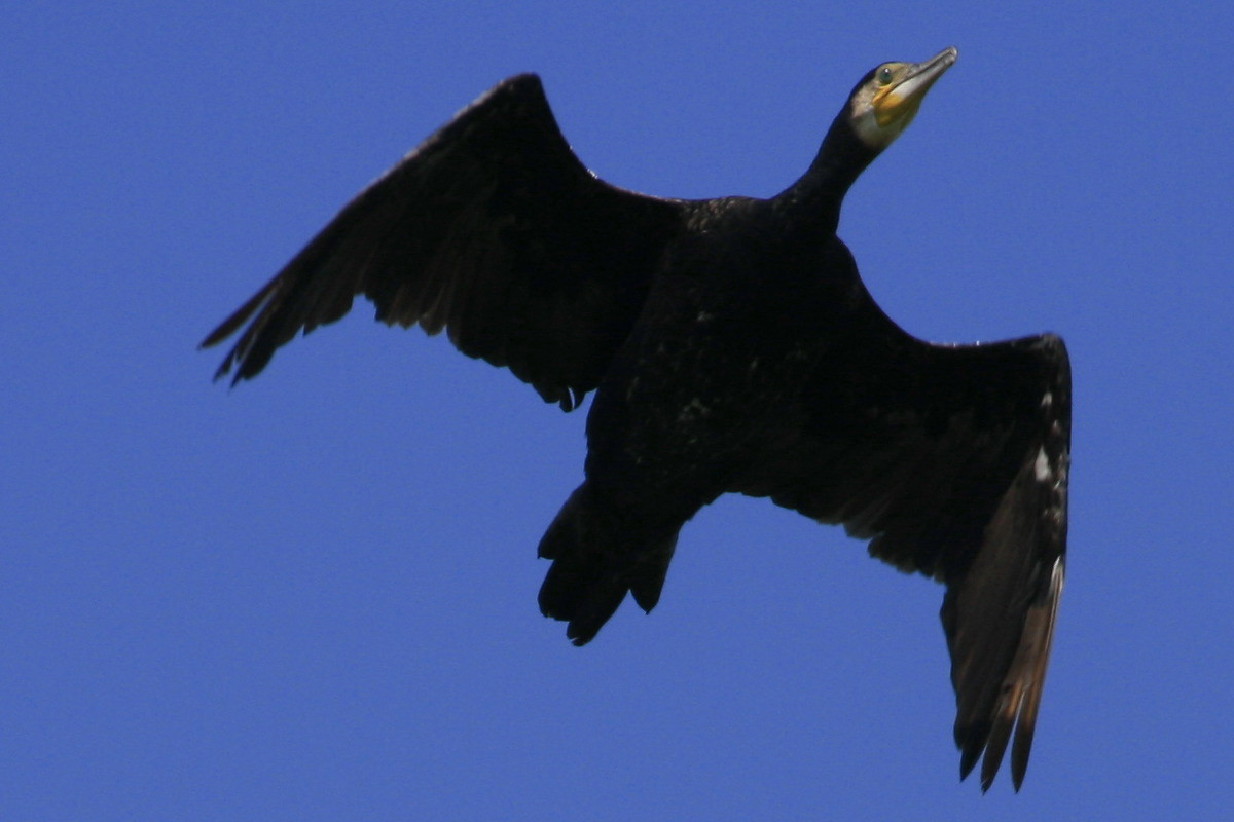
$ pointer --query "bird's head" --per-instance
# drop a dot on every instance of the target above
(885, 101)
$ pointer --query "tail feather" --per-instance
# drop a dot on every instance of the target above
(597, 558)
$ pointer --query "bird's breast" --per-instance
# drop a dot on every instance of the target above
(716, 364)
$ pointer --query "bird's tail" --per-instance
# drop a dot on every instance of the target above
(598, 555)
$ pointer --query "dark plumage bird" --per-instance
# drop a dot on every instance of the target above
(732, 347)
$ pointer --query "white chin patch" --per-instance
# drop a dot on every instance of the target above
(871, 133)
(879, 137)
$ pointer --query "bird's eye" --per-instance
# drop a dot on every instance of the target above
(884, 75)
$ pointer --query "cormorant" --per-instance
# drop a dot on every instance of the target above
(732, 347)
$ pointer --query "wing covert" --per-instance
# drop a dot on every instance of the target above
(492, 230)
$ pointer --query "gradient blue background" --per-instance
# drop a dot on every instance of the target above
(314, 597)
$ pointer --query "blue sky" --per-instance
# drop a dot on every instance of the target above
(313, 597)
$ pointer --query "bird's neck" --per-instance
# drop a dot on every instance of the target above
(818, 195)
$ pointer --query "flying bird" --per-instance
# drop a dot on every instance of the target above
(732, 347)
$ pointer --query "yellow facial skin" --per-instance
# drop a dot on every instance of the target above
(890, 100)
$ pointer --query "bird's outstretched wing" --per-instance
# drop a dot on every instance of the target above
(492, 230)
(953, 461)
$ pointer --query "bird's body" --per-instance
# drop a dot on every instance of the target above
(732, 347)
(707, 386)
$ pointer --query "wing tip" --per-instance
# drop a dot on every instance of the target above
(239, 357)
(1017, 708)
